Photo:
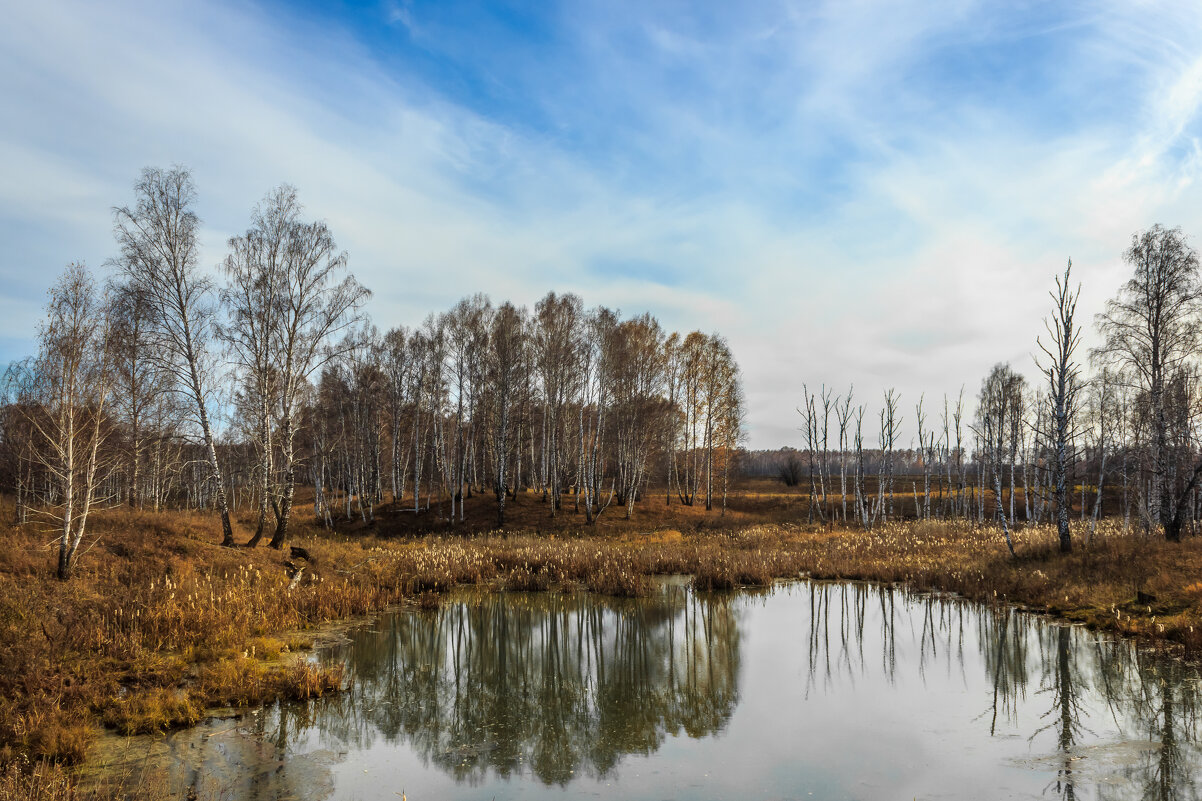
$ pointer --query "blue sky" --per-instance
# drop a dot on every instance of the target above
(867, 192)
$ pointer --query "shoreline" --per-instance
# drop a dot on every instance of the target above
(126, 752)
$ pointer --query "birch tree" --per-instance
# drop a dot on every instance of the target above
(466, 326)
(598, 352)
(996, 407)
(1151, 331)
(506, 357)
(890, 427)
(1063, 374)
(398, 364)
(317, 300)
(843, 415)
(252, 295)
(138, 384)
(65, 403)
(157, 237)
(925, 454)
(641, 414)
(556, 341)
(809, 415)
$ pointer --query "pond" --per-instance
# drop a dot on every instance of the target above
(806, 691)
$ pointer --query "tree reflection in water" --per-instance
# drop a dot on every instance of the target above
(555, 685)
(1146, 697)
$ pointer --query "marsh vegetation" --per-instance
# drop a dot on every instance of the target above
(174, 420)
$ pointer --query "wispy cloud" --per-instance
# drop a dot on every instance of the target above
(878, 195)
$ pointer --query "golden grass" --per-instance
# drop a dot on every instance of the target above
(138, 639)
(245, 681)
(46, 781)
(152, 711)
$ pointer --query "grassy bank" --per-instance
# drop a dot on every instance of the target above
(160, 623)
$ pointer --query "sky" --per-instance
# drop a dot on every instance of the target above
(867, 193)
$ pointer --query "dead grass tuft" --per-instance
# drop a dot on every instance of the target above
(151, 711)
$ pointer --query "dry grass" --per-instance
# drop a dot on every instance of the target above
(160, 623)
(46, 781)
(157, 625)
(43, 782)
(752, 501)
(757, 501)
(245, 681)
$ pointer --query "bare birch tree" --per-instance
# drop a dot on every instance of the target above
(157, 238)
(398, 364)
(843, 415)
(65, 401)
(251, 296)
(138, 384)
(317, 299)
(556, 341)
(1151, 330)
(507, 344)
(995, 412)
(1064, 383)
(890, 427)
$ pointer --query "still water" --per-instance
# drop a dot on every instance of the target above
(807, 691)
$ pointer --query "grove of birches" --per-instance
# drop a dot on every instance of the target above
(165, 382)
(133, 372)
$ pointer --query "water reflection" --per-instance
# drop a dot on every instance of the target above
(1093, 690)
(840, 690)
(560, 686)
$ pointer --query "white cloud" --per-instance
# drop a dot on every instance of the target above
(837, 218)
